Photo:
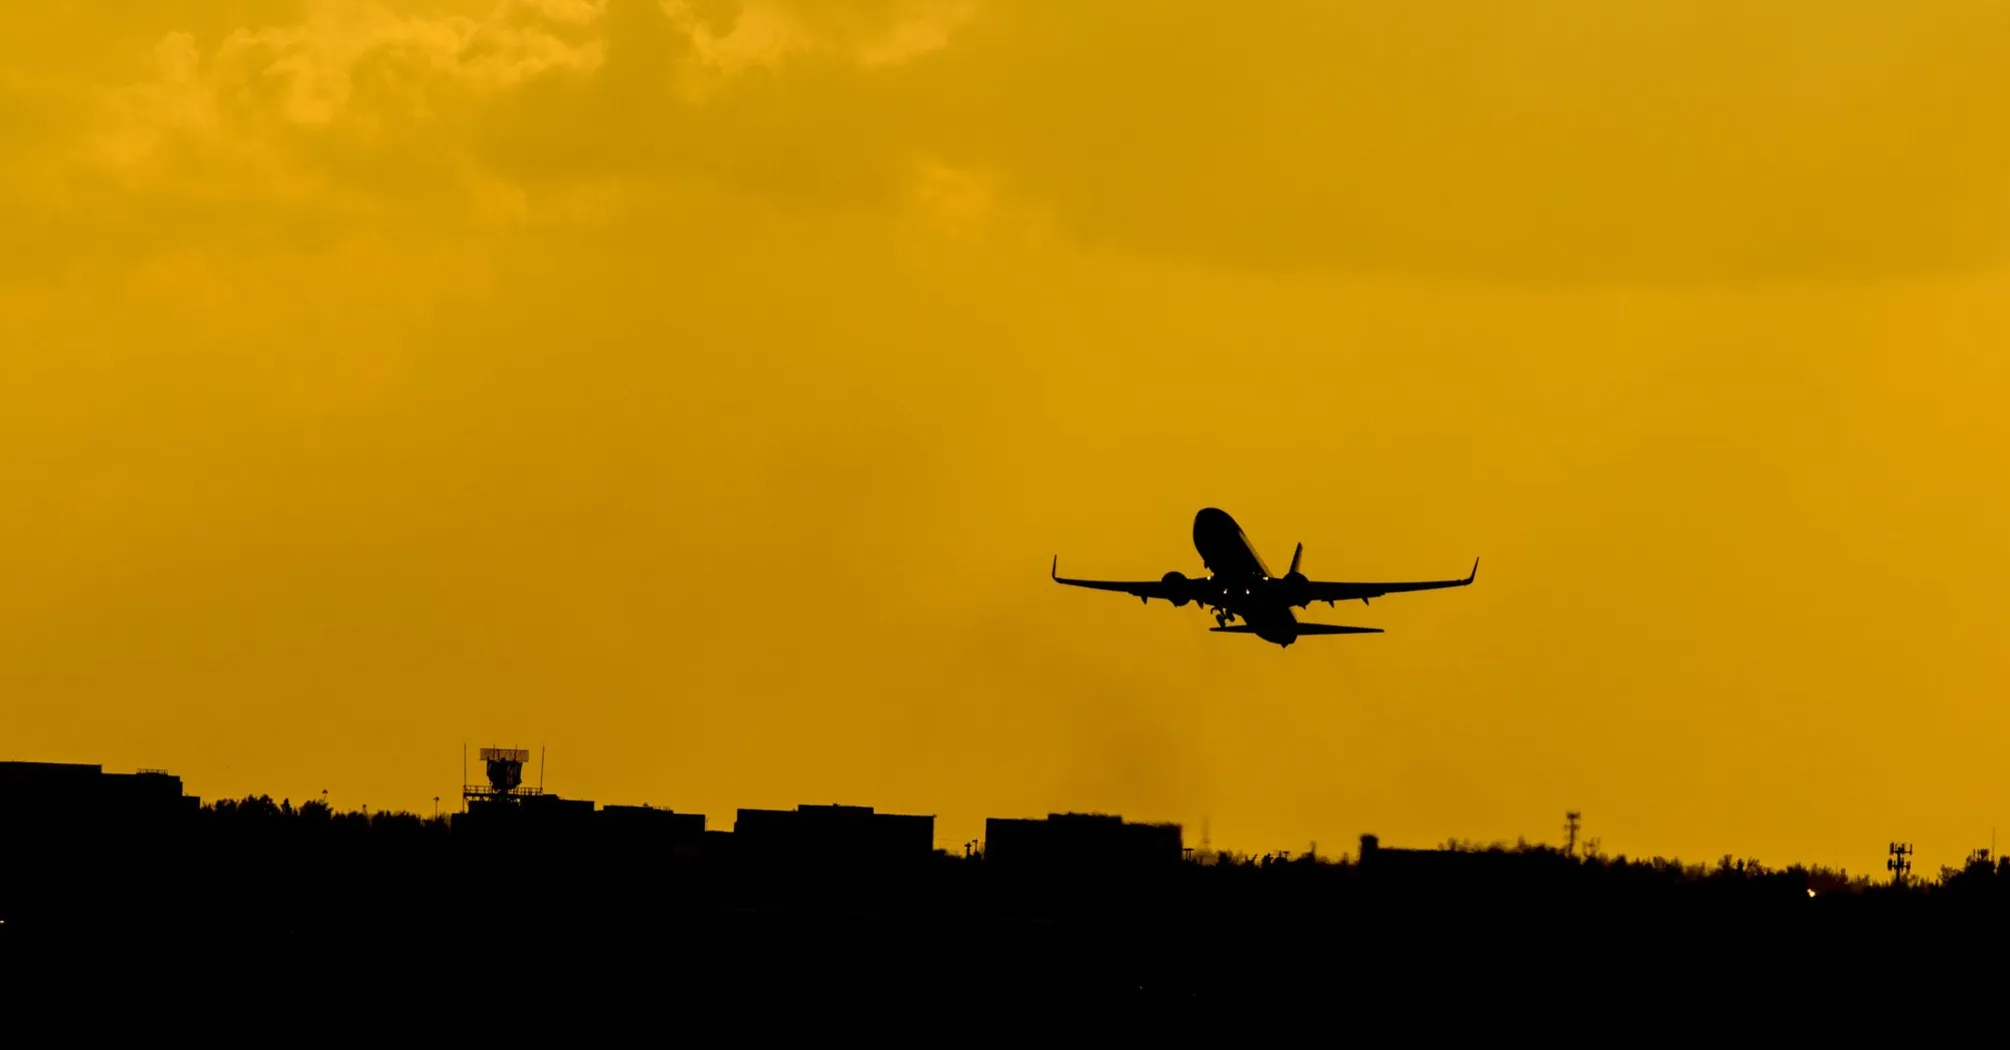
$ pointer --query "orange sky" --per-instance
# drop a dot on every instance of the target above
(700, 391)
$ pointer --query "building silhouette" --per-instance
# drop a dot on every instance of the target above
(648, 820)
(1419, 864)
(505, 801)
(540, 811)
(50, 796)
(1080, 841)
(832, 834)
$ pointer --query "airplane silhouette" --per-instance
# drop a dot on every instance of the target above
(1240, 586)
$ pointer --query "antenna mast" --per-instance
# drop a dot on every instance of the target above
(1570, 833)
(1900, 862)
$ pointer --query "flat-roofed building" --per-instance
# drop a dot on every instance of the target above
(42, 793)
(1080, 841)
(808, 834)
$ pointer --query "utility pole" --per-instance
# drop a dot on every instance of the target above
(1900, 862)
(1570, 833)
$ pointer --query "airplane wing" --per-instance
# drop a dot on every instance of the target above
(1325, 591)
(1143, 590)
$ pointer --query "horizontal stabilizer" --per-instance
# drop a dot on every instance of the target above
(1334, 628)
(1303, 629)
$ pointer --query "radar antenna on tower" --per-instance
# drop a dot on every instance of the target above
(505, 776)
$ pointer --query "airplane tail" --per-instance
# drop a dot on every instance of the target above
(1295, 555)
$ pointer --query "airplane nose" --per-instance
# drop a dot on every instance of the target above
(1212, 521)
(1212, 524)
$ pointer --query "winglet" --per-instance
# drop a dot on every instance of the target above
(1475, 572)
(1055, 572)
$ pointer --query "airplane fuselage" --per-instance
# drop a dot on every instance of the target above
(1239, 582)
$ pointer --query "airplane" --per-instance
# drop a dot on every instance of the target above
(1240, 585)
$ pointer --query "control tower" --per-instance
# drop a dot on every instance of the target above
(505, 773)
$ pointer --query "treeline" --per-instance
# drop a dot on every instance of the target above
(394, 892)
(258, 814)
(228, 827)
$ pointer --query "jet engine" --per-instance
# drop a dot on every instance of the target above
(1176, 588)
(1294, 587)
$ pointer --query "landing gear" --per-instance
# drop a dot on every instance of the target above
(1222, 617)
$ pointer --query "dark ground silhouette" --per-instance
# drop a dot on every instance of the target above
(256, 896)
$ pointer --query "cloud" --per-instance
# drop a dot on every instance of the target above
(362, 104)
(503, 112)
(1649, 141)
(1654, 142)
